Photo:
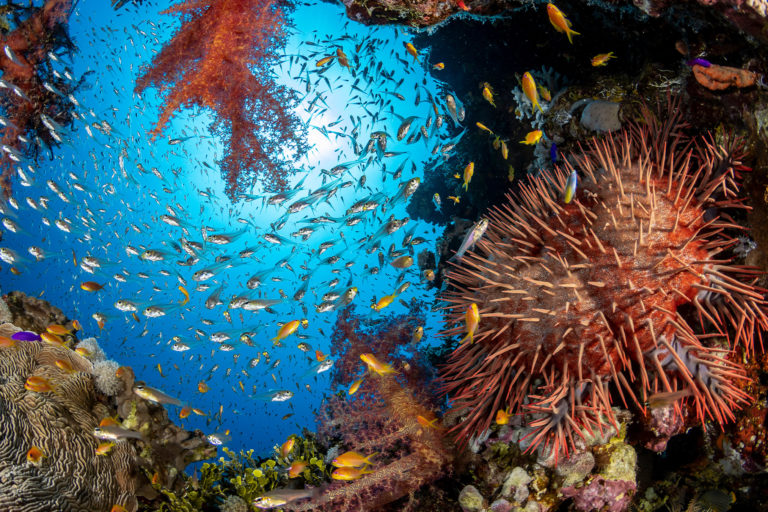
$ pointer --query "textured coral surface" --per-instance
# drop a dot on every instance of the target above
(575, 296)
(70, 477)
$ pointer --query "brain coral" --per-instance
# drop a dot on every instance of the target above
(588, 303)
(71, 477)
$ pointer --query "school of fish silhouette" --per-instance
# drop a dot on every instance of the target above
(583, 299)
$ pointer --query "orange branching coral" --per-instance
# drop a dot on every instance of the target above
(31, 91)
(221, 58)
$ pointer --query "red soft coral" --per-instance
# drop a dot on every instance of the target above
(221, 58)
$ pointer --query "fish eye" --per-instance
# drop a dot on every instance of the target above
(140, 387)
(97, 429)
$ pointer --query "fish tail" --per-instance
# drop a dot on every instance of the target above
(570, 33)
(368, 458)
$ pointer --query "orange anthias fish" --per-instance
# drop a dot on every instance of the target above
(349, 473)
(602, 59)
(502, 416)
(319, 356)
(52, 339)
(185, 293)
(202, 387)
(325, 60)
(532, 138)
(64, 365)
(296, 468)
(560, 22)
(529, 88)
(412, 50)
(471, 319)
(384, 302)
(424, 422)
(439, 66)
(185, 411)
(6, 342)
(38, 384)
(286, 330)
(375, 365)
(287, 447)
(58, 329)
(355, 386)
(91, 286)
(462, 5)
(35, 455)
(469, 171)
(104, 448)
(352, 460)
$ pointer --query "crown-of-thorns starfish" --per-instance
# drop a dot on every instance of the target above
(581, 300)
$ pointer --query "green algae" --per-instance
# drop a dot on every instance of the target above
(243, 475)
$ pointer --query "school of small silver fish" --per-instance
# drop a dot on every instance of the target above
(151, 240)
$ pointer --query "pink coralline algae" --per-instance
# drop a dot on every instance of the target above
(584, 302)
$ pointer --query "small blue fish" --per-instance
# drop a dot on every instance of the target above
(553, 153)
(699, 62)
(570, 187)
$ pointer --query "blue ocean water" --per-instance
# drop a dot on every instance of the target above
(116, 183)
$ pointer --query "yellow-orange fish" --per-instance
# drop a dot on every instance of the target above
(469, 171)
(91, 286)
(202, 387)
(602, 59)
(412, 50)
(325, 60)
(355, 386)
(296, 468)
(471, 320)
(560, 22)
(439, 66)
(347, 473)
(35, 455)
(502, 416)
(384, 302)
(58, 329)
(424, 422)
(185, 293)
(104, 448)
(352, 459)
(529, 88)
(286, 330)
(532, 138)
(375, 365)
(287, 447)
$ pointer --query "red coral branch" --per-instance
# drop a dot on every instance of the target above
(221, 58)
(24, 95)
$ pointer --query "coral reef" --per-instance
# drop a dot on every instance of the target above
(574, 297)
(52, 398)
(229, 71)
(70, 476)
(383, 416)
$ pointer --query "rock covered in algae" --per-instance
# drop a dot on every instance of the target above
(32, 314)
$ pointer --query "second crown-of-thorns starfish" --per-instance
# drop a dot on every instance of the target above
(582, 300)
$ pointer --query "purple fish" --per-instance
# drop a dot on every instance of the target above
(699, 62)
(553, 153)
(25, 336)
